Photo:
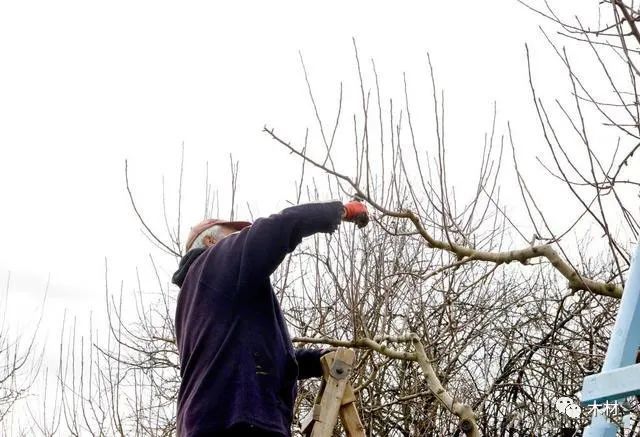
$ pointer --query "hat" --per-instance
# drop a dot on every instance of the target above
(206, 224)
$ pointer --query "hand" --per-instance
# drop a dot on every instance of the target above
(356, 212)
(328, 350)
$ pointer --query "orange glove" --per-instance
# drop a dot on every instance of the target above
(356, 212)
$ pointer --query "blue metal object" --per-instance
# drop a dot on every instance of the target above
(600, 427)
(625, 337)
(620, 376)
(612, 385)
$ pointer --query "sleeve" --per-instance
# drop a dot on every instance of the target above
(271, 238)
(309, 362)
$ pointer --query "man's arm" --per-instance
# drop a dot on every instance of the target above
(309, 365)
(271, 238)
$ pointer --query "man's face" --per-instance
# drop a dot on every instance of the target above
(222, 231)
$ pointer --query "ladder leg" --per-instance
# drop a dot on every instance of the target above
(349, 415)
(312, 417)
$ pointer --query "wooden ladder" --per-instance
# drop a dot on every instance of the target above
(336, 398)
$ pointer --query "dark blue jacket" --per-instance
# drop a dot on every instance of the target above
(237, 362)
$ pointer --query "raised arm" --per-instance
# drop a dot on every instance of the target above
(271, 238)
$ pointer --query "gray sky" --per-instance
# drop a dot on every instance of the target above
(86, 85)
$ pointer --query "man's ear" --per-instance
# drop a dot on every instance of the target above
(208, 241)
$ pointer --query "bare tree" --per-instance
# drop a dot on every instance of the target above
(465, 319)
(19, 363)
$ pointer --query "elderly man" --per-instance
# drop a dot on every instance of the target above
(237, 363)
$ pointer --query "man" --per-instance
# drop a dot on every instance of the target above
(237, 363)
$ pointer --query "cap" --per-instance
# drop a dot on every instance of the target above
(206, 224)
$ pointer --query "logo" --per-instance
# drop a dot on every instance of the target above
(566, 406)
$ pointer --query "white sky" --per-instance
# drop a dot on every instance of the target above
(85, 85)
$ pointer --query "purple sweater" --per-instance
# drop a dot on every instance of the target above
(237, 363)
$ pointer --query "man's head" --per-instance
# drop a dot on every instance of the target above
(208, 232)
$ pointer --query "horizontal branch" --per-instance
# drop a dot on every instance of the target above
(362, 343)
(576, 281)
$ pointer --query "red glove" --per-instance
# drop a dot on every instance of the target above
(356, 212)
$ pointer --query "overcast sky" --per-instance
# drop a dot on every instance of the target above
(85, 85)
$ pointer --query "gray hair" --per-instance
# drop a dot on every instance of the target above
(217, 232)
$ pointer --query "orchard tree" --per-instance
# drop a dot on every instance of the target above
(466, 320)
